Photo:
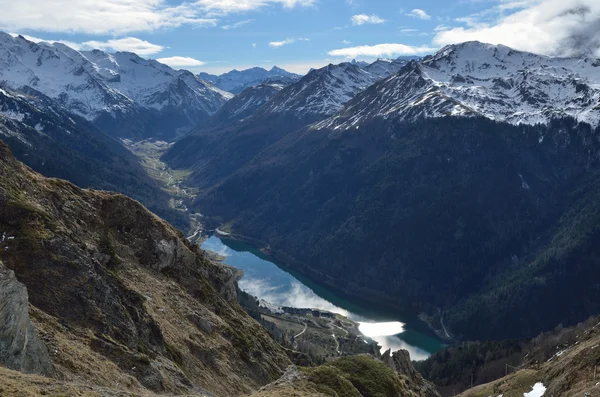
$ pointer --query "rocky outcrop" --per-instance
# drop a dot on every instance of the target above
(20, 347)
(400, 362)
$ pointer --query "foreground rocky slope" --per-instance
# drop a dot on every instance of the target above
(118, 297)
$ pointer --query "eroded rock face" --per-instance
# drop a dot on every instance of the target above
(400, 362)
(20, 347)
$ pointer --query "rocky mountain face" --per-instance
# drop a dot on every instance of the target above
(60, 144)
(375, 211)
(243, 105)
(383, 68)
(476, 79)
(322, 92)
(20, 347)
(237, 81)
(213, 154)
(123, 94)
(118, 297)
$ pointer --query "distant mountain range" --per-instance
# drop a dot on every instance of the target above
(476, 79)
(123, 94)
(237, 81)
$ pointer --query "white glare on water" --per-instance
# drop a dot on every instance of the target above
(381, 329)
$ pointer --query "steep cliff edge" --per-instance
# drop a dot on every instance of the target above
(119, 298)
(20, 346)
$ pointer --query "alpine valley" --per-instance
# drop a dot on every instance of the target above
(462, 188)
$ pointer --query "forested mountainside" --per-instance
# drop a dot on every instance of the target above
(484, 225)
(122, 93)
(60, 144)
(102, 298)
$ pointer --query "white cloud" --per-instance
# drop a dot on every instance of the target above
(362, 19)
(418, 13)
(552, 27)
(277, 44)
(127, 44)
(224, 7)
(441, 28)
(381, 50)
(122, 16)
(346, 42)
(237, 24)
(407, 30)
(253, 45)
(181, 62)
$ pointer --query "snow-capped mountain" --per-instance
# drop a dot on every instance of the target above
(385, 67)
(322, 92)
(123, 94)
(237, 81)
(473, 78)
(244, 104)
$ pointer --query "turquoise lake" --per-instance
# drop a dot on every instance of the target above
(272, 282)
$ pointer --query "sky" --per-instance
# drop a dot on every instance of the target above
(216, 36)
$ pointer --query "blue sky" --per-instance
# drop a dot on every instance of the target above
(219, 35)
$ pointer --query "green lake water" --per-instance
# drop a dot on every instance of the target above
(274, 283)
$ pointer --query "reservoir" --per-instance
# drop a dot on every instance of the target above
(269, 281)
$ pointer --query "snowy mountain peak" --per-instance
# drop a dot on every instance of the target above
(322, 92)
(237, 81)
(481, 79)
(101, 86)
(385, 67)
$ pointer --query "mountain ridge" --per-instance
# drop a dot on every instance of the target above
(122, 93)
(477, 79)
(236, 81)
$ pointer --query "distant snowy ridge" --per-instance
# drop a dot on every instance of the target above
(95, 84)
(481, 79)
(237, 81)
(323, 91)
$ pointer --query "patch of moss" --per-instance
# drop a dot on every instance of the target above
(356, 376)
(370, 377)
(332, 382)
